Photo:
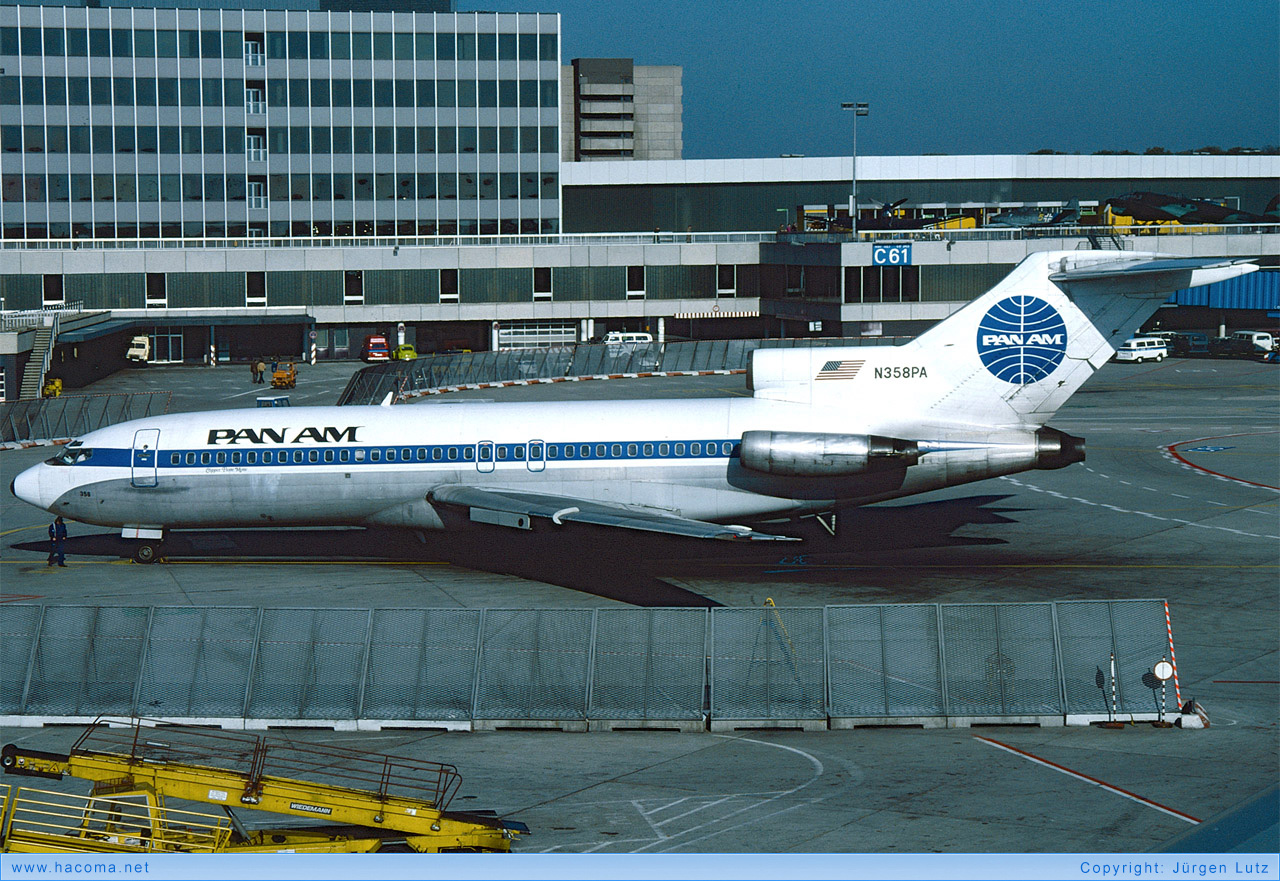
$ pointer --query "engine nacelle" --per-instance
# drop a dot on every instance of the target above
(810, 454)
(1057, 449)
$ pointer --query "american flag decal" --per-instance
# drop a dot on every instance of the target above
(840, 369)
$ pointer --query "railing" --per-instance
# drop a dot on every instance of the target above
(70, 416)
(25, 318)
(650, 238)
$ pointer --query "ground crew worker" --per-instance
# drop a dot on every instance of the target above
(57, 540)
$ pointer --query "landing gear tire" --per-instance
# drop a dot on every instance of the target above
(146, 552)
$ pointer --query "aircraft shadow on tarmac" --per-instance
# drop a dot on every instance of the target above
(594, 560)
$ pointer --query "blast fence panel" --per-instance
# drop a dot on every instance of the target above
(19, 630)
(422, 664)
(1089, 632)
(310, 664)
(87, 661)
(884, 661)
(198, 661)
(649, 664)
(534, 664)
(1139, 647)
(1000, 660)
(767, 664)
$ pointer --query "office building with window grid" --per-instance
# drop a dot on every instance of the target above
(140, 122)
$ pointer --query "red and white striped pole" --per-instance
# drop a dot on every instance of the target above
(1113, 685)
(1173, 658)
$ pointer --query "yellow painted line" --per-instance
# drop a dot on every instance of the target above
(21, 528)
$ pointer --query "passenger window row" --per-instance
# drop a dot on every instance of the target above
(487, 452)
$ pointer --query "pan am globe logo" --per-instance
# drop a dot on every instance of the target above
(1022, 339)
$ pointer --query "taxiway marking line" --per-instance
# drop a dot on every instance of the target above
(1124, 793)
(1246, 681)
(1173, 451)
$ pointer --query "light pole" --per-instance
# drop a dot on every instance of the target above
(859, 108)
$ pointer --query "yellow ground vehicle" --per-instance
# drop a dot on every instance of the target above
(52, 388)
(285, 375)
(151, 785)
(404, 352)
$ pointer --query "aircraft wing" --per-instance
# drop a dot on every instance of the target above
(485, 503)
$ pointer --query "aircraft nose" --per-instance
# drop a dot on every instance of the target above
(26, 486)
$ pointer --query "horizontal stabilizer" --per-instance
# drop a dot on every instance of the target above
(1158, 275)
(561, 509)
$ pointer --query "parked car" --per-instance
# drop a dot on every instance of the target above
(1261, 341)
(404, 352)
(1187, 343)
(1142, 348)
(375, 349)
(1232, 347)
(139, 349)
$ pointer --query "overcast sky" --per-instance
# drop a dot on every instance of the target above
(947, 76)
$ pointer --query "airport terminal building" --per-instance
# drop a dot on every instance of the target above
(238, 182)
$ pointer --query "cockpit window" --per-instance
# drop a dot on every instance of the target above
(72, 455)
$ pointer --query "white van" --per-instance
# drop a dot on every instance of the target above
(617, 336)
(139, 349)
(1142, 348)
(1262, 341)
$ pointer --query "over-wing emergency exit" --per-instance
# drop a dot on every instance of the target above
(824, 428)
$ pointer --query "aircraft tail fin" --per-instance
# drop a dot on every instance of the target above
(1019, 351)
(1010, 358)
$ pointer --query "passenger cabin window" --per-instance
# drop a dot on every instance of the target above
(251, 457)
(502, 452)
(268, 457)
(359, 455)
(328, 455)
(204, 458)
(664, 449)
(517, 452)
(695, 449)
(648, 449)
(175, 459)
(679, 449)
(375, 455)
(535, 451)
(631, 450)
(406, 454)
(191, 458)
(468, 453)
(297, 457)
(568, 451)
(486, 453)
(313, 455)
(235, 458)
(599, 451)
(436, 454)
(344, 455)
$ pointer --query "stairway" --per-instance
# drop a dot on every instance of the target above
(33, 375)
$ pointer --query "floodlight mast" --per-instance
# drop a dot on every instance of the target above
(859, 108)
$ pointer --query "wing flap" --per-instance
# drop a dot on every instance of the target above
(483, 503)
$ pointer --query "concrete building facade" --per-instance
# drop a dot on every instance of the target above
(616, 109)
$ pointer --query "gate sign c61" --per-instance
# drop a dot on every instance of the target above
(891, 255)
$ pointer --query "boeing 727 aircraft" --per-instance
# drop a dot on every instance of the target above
(825, 428)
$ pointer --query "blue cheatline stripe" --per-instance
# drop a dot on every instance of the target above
(454, 454)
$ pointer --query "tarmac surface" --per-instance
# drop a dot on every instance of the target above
(1177, 499)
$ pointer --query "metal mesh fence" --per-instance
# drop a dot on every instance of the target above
(422, 664)
(86, 661)
(19, 630)
(534, 664)
(884, 661)
(767, 664)
(198, 662)
(74, 415)
(649, 664)
(310, 663)
(877, 662)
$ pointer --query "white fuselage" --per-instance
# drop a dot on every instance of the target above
(361, 465)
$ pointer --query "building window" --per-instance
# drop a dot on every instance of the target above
(255, 289)
(52, 290)
(353, 288)
(257, 194)
(635, 282)
(156, 294)
(727, 279)
(254, 50)
(255, 147)
(254, 100)
(542, 282)
(448, 285)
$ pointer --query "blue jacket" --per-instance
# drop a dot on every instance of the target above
(58, 531)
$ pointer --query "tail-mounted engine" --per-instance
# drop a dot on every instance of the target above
(810, 454)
